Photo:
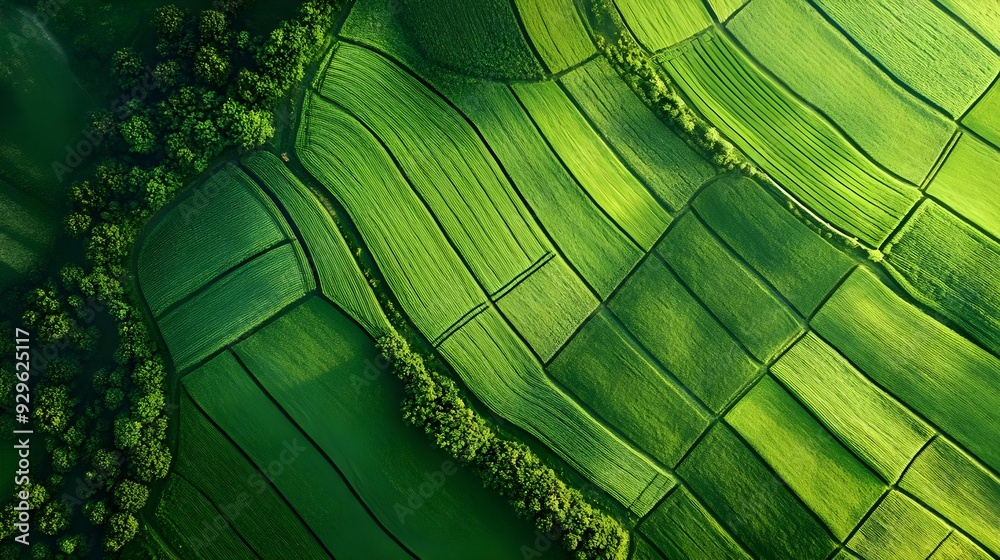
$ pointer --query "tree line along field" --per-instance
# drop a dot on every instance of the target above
(727, 376)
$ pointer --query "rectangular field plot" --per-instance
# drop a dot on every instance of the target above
(958, 547)
(595, 166)
(425, 273)
(939, 374)
(950, 266)
(339, 276)
(234, 304)
(602, 368)
(968, 182)
(794, 144)
(501, 372)
(681, 528)
(793, 258)
(210, 462)
(946, 480)
(899, 528)
(925, 48)
(190, 524)
(644, 550)
(547, 306)
(734, 294)
(658, 25)
(674, 327)
(725, 8)
(984, 118)
(750, 501)
(326, 373)
(671, 169)
(557, 31)
(301, 473)
(213, 228)
(445, 161)
(869, 422)
(585, 235)
(892, 126)
(831, 481)
(983, 17)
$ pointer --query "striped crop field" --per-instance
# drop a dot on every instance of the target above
(671, 169)
(723, 9)
(732, 291)
(221, 224)
(951, 267)
(933, 370)
(967, 180)
(557, 30)
(603, 176)
(339, 277)
(502, 373)
(983, 118)
(794, 144)
(926, 50)
(899, 528)
(982, 17)
(602, 368)
(187, 521)
(681, 525)
(658, 25)
(895, 128)
(423, 270)
(446, 163)
(584, 234)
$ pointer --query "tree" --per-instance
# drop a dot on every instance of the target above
(96, 512)
(54, 518)
(131, 496)
(127, 67)
(248, 128)
(211, 65)
(54, 408)
(139, 135)
(122, 527)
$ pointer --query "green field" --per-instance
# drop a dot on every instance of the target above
(658, 25)
(967, 180)
(899, 528)
(557, 30)
(982, 118)
(984, 18)
(895, 128)
(682, 528)
(26, 234)
(724, 9)
(194, 527)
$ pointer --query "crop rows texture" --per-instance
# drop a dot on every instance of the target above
(925, 48)
(225, 391)
(445, 162)
(725, 8)
(595, 166)
(966, 183)
(339, 276)
(658, 25)
(424, 272)
(612, 377)
(740, 300)
(795, 145)
(939, 374)
(183, 517)
(671, 169)
(899, 528)
(557, 30)
(325, 373)
(585, 235)
(499, 369)
(984, 118)
(218, 226)
(983, 17)
(888, 123)
(951, 267)
(793, 258)
(681, 527)
(210, 462)
(235, 303)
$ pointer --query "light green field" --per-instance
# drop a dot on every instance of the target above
(658, 25)
(657, 156)
(869, 422)
(340, 279)
(595, 166)
(983, 118)
(958, 547)
(194, 527)
(891, 125)
(750, 501)
(674, 327)
(799, 148)
(547, 307)
(725, 8)
(501, 372)
(220, 225)
(739, 299)
(557, 30)
(682, 528)
(926, 50)
(942, 376)
(444, 160)
(899, 528)
(424, 272)
(984, 17)
(952, 267)
(610, 376)
(794, 259)
(967, 181)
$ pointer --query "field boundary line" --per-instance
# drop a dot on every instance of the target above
(829, 294)
(842, 544)
(253, 378)
(896, 231)
(961, 217)
(939, 515)
(462, 321)
(528, 40)
(966, 25)
(985, 92)
(219, 512)
(941, 160)
(524, 275)
(570, 69)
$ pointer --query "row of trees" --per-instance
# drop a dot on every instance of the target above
(433, 403)
(209, 89)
